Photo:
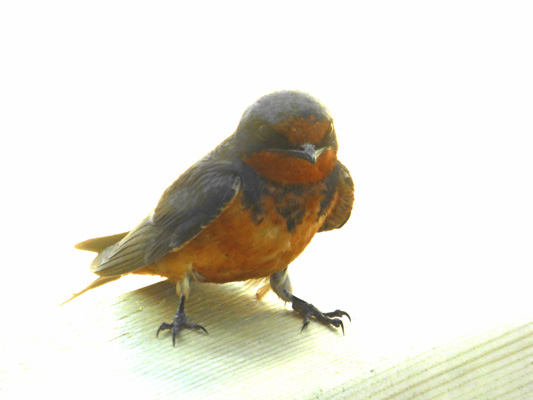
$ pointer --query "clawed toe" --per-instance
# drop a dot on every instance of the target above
(308, 311)
(180, 322)
(338, 313)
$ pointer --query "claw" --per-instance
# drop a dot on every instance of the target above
(307, 319)
(342, 326)
(163, 326)
(338, 313)
(308, 311)
(180, 322)
(198, 327)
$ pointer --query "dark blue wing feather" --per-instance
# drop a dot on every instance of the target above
(190, 204)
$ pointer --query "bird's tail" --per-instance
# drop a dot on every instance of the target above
(102, 280)
(98, 245)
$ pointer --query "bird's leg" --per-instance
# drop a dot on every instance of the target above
(180, 320)
(281, 285)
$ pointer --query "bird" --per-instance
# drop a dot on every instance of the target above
(243, 212)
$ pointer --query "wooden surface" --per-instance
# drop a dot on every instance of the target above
(107, 348)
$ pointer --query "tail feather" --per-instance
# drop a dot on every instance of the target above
(100, 243)
(98, 282)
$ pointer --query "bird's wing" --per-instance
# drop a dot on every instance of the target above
(191, 203)
(340, 213)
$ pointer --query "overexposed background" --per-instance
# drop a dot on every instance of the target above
(104, 103)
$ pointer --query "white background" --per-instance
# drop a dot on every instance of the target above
(104, 103)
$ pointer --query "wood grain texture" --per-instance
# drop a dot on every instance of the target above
(254, 350)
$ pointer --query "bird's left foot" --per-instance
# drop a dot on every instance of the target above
(180, 322)
(308, 310)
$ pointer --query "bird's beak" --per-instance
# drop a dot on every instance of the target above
(308, 153)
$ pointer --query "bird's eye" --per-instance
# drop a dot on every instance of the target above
(330, 130)
(272, 137)
(329, 133)
(265, 132)
(329, 136)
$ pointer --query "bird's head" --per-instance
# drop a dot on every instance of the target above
(288, 137)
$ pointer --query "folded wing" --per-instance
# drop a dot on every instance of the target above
(196, 199)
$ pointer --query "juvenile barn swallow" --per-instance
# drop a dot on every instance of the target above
(244, 211)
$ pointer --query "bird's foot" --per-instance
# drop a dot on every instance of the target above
(180, 322)
(308, 310)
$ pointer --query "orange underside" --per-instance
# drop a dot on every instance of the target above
(235, 248)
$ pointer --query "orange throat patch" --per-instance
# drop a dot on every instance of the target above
(283, 168)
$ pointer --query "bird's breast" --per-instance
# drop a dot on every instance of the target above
(247, 242)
